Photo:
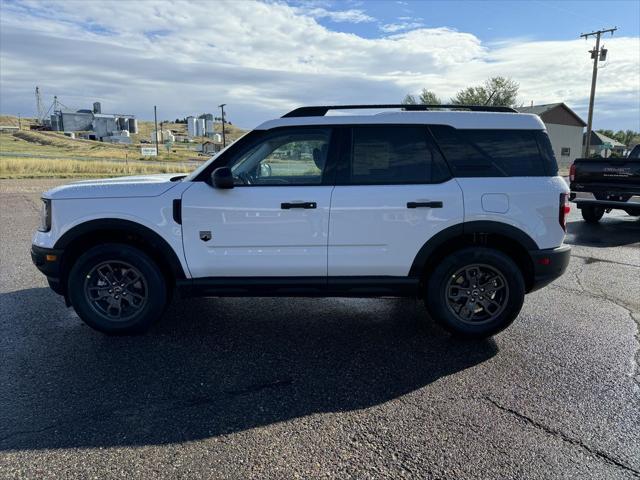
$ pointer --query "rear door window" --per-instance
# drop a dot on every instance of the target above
(390, 154)
(493, 153)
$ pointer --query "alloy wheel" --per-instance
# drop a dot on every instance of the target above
(477, 294)
(116, 290)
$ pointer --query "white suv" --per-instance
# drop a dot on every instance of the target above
(460, 206)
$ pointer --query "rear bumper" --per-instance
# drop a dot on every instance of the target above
(548, 265)
(631, 206)
(610, 188)
(49, 262)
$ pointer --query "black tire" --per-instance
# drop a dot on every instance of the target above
(444, 279)
(592, 214)
(147, 296)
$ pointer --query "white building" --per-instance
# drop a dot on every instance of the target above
(565, 129)
(162, 136)
(103, 124)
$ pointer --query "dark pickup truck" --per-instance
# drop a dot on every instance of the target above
(614, 183)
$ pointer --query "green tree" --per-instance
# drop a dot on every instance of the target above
(409, 100)
(496, 91)
(625, 136)
(607, 133)
(426, 97)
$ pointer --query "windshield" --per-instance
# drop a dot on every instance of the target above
(635, 153)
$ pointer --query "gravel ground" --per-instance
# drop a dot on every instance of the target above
(323, 388)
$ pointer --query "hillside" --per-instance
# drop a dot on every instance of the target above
(42, 153)
(145, 128)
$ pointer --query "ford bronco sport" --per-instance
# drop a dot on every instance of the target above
(460, 206)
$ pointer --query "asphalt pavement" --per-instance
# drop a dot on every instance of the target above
(323, 388)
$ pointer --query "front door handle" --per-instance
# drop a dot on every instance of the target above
(424, 204)
(306, 205)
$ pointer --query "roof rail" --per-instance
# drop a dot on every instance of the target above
(320, 111)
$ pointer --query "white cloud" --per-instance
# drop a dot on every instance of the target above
(399, 27)
(264, 58)
(351, 16)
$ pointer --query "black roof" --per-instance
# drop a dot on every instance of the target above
(320, 111)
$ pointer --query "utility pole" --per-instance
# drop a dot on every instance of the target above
(155, 121)
(597, 54)
(224, 139)
(39, 106)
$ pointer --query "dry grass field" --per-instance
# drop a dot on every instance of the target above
(33, 154)
(60, 168)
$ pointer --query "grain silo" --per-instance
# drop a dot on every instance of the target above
(209, 127)
(191, 126)
(200, 127)
(133, 125)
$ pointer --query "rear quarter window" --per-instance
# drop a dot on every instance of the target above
(496, 153)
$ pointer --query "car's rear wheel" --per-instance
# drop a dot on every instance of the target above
(592, 214)
(117, 289)
(475, 292)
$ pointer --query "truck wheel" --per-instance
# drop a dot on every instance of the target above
(117, 289)
(592, 214)
(475, 292)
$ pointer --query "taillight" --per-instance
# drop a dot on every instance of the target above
(564, 211)
(572, 172)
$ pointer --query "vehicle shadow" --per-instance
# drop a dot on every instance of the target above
(211, 367)
(611, 231)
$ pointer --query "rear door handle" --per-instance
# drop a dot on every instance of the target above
(306, 205)
(424, 204)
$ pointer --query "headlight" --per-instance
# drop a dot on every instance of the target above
(45, 216)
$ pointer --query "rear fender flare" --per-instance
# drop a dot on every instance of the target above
(463, 229)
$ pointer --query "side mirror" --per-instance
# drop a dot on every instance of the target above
(222, 178)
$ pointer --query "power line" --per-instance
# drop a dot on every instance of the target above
(598, 54)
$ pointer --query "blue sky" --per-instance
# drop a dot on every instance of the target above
(495, 20)
(263, 58)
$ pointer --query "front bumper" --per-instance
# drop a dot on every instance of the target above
(49, 262)
(548, 265)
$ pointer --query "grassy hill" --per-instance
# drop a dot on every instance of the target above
(29, 153)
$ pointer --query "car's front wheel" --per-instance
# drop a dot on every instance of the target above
(117, 289)
(475, 292)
